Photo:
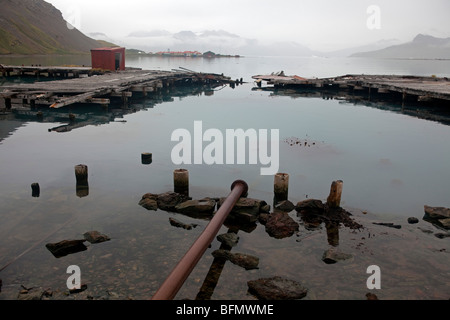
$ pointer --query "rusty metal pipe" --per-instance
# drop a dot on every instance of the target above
(183, 269)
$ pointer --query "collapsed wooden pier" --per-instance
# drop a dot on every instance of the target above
(100, 88)
(410, 88)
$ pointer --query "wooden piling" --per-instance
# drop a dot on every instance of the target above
(35, 190)
(334, 199)
(280, 187)
(81, 174)
(181, 181)
(146, 158)
(8, 103)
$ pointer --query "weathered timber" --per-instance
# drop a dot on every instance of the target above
(49, 71)
(419, 87)
(98, 88)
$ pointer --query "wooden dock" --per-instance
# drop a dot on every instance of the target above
(411, 88)
(100, 88)
(47, 71)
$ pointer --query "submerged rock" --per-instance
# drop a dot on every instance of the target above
(229, 239)
(241, 259)
(441, 235)
(371, 296)
(277, 288)
(280, 225)
(412, 220)
(180, 224)
(332, 255)
(34, 294)
(66, 247)
(388, 224)
(149, 204)
(169, 200)
(96, 237)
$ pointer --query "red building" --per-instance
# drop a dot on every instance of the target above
(108, 58)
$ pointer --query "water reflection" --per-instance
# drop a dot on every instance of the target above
(427, 110)
(82, 115)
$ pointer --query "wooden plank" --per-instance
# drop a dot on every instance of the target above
(62, 102)
(80, 98)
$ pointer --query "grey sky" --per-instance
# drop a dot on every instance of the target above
(318, 24)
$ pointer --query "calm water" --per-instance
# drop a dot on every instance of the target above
(392, 164)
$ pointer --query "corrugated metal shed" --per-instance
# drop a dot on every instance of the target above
(108, 58)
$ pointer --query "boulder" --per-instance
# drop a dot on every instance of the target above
(245, 211)
(265, 208)
(197, 207)
(438, 216)
(149, 203)
(310, 206)
(96, 237)
(280, 225)
(169, 200)
(246, 205)
(436, 212)
(445, 223)
(241, 259)
(277, 288)
(285, 205)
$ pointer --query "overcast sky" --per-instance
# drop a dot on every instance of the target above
(318, 24)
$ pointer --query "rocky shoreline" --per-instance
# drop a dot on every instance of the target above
(278, 221)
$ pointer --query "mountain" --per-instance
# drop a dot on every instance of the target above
(421, 47)
(219, 41)
(37, 27)
(378, 45)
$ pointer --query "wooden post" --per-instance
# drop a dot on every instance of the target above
(81, 174)
(8, 103)
(181, 181)
(280, 187)
(146, 158)
(334, 199)
(35, 190)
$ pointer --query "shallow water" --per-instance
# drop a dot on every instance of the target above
(392, 164)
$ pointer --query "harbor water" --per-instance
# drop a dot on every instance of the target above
(392, 159)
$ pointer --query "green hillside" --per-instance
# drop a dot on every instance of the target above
(37, 27)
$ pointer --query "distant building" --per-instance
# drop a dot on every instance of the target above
(108, 58)
(209, 54)
(179, 53)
